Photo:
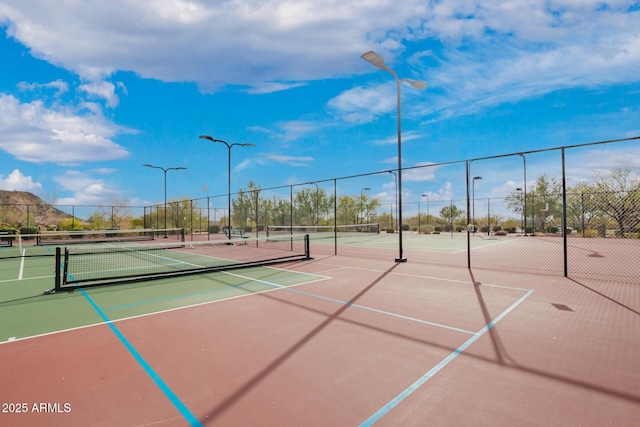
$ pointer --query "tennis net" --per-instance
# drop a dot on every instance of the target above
(102, 236)
(323, 231)
(91, 265)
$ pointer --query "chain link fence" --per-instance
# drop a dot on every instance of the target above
(568, 211)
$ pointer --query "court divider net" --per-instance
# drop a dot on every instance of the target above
(92, 265)
(101, 236)
(320, 231)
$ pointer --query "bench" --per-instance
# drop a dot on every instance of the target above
(235, 232)
(7, 237)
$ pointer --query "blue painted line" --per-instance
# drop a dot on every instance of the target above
(173, 398)
(413, 387)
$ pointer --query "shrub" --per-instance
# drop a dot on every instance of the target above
(214, 229)
(501, 233)
(28, 230)
(248, 229)
(437, 229)
(390, 230)
(552, 229)
(497, 228)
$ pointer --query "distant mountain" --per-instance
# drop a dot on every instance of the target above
(16, 207)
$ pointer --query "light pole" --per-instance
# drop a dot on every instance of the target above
(228, 174)
(520, 197)
(377, 60)
(165, 170)
(475, 178)
(359, 213)
(524, 182)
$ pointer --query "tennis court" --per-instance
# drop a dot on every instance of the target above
(353, 339)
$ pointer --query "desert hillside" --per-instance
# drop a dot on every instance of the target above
(18, 206)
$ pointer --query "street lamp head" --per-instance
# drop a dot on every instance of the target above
(149, 166)
(374, 59)
(366, 188)
(418, 84)
(247, 145)
(477, 177)
(206, 137)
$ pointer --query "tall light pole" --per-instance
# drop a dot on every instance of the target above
(520, 197)
(475, 178)
(359, 213)
(228, 174)
(165, 170)
(377, 60)
(524, 182)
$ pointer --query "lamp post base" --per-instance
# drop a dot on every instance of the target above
(403, 259)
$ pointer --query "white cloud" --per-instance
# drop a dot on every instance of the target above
(86, 189)
(238, 43)
(34, 133)
(270, 87)
(481, 53)
(420, 174)
(17, 181)
(58, 85)
(290, 160)
(104, 90)
(393, 140)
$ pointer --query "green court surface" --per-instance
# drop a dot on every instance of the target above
(25, 309)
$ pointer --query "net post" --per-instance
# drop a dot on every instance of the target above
(307, 251)
(57, 285)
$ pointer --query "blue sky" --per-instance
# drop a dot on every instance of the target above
(91, 91)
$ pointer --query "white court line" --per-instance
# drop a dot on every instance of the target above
(320, 278)
(21, 265)
(423, 379)
(363, 307)
(420, 276)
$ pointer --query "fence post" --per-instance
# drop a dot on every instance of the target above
(468, 220)
(564, 215)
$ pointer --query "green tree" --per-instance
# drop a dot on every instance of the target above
(69, 224)
(544, 202)
(243, 207)
(582, 206)
(348, 208)
(618, 197)
(183, 213)
(99, 220)
(450, 214)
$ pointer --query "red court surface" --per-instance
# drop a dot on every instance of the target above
(376, 343)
